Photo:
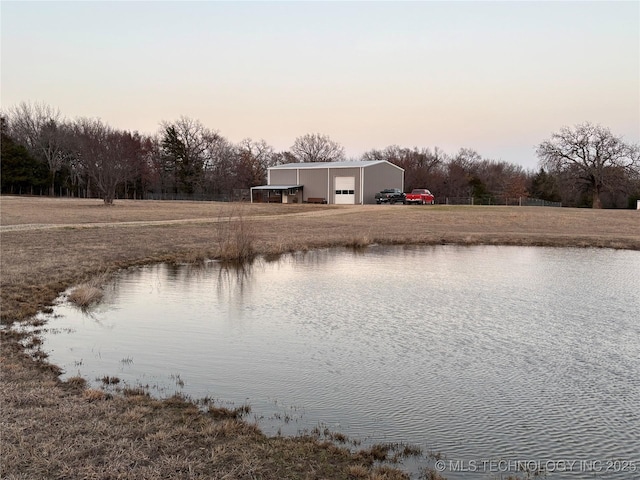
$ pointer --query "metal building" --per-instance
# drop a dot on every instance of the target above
(340, 183)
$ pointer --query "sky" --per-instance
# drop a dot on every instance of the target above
(497, 77)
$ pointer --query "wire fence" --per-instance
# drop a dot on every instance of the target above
(244, 195)
(238, 195)
(498, 200)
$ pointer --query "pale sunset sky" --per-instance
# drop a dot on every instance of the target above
(498, 77)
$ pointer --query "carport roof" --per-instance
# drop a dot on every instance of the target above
(275, 187)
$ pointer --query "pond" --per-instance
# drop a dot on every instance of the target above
(483, 355)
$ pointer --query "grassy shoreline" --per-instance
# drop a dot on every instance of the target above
(54, 429)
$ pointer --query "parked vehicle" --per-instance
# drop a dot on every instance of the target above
(421, 196)
(390, 195)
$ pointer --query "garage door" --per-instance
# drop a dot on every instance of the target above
(345, 190)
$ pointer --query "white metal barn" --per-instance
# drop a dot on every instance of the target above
(340, 183)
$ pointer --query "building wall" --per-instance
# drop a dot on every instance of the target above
(315, 183)
(282, 177)
(381, 176)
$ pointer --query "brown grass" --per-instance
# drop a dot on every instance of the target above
(85, 295)
(234, 236)
(229, 413)
(54, 429)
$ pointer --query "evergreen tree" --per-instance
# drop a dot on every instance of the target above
(545, 187)
(19, 171)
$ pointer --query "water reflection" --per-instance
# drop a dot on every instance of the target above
(473, 352)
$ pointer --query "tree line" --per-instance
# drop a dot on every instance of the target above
(46, 153)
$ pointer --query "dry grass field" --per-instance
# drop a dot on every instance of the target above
(54, 429)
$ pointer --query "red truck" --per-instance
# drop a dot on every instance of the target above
(421, 196)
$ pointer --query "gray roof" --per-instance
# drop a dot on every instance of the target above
(348, 164)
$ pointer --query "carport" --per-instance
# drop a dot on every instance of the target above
(276, 194)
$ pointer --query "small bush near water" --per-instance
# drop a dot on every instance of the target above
(359, 242)
(85, 295)
(235, 238)
(88, 293)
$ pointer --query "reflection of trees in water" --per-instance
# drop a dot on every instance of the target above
(312, 257)
(230, 277)
(234, 277)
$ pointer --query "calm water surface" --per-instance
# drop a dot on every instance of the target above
(482, 354)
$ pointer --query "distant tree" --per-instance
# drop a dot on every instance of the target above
(478, 189)
(373, 155)
(41, 129)
(499, 180)
(420, 165)
(139, 175)
(220, 167)
(315, 147)
(253, 160)
(105, 154)
(624, 189)
(515, 186)
(176, 160)
(184, 144)
(591, 156)
(632, 200)
(19, 171)
(391, 154)
(160, 170)
(545, 186)
(456, 180)
(459, 173)
(280, 158)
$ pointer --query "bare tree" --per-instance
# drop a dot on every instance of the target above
(41, 129)
(219, 167)
(106, 155)
(420, 164)
(373, 155)
(254, 158)
(161, 169)
(500, 180)
(592, 156)
(281, 158)
(140, 156)
(315, 147)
